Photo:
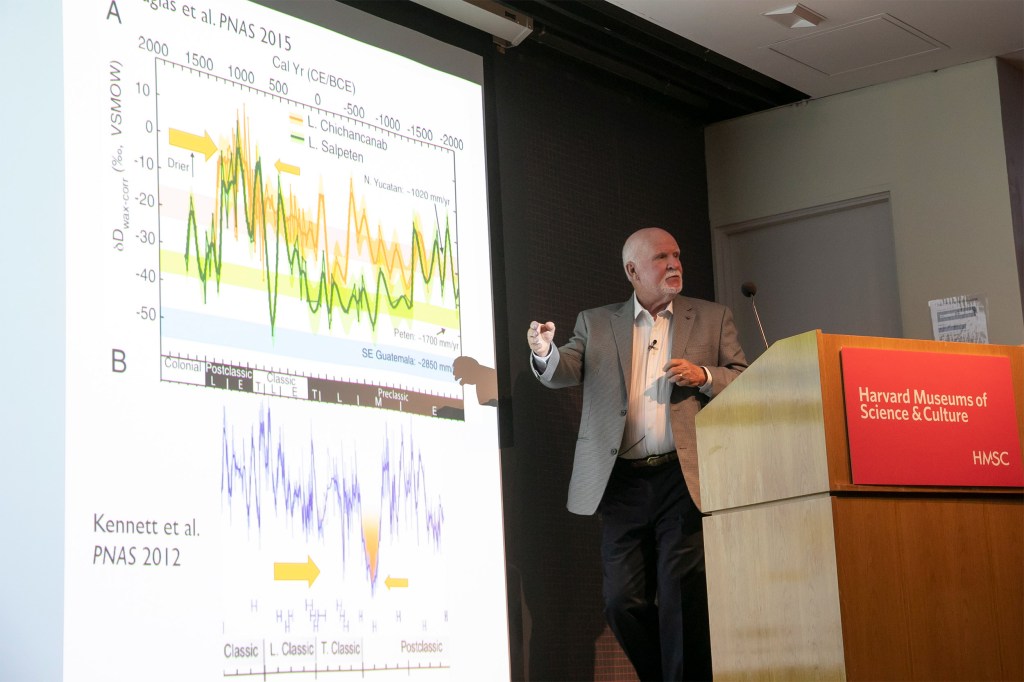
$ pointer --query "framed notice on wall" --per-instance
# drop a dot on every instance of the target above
(936, 419)
(960, 318)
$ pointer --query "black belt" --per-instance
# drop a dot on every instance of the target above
(650, 461)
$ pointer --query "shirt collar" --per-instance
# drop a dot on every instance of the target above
(637, 309)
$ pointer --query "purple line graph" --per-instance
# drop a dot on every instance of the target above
(275, 476)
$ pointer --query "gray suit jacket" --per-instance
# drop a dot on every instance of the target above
(599, 355)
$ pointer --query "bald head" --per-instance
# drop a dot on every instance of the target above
(650, 258)
(634, 242)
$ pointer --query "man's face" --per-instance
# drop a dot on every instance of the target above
(655, 271)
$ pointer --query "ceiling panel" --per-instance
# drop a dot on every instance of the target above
(853, 46)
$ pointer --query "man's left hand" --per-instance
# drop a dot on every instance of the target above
(682, 372)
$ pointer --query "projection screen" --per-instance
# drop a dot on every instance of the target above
(281, 451)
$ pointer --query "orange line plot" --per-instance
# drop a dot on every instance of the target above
(295, 251)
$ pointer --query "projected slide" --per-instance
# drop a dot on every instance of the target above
(282, 454)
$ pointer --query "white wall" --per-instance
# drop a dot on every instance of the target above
(934, 142)
(32, 342)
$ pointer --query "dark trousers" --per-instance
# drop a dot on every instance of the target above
(655, 589)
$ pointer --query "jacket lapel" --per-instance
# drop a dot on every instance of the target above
(622, 330)
(684, 314)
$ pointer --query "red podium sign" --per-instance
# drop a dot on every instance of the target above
(920, 418)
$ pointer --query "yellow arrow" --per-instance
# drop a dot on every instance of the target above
(203, 144)
(396, 582)
(283, 167)
(307, 571)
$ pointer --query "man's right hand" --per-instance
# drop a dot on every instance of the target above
(540, 337)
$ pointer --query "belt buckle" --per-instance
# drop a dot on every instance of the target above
(652, 460)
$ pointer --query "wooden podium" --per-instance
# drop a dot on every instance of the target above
(812, 577)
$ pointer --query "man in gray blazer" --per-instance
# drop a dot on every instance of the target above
(647, 366)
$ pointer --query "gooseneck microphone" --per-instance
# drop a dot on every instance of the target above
(749, 289)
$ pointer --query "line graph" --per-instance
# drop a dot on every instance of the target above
(322, 496)
(282, 223)
(320, 273)
(366, 506)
